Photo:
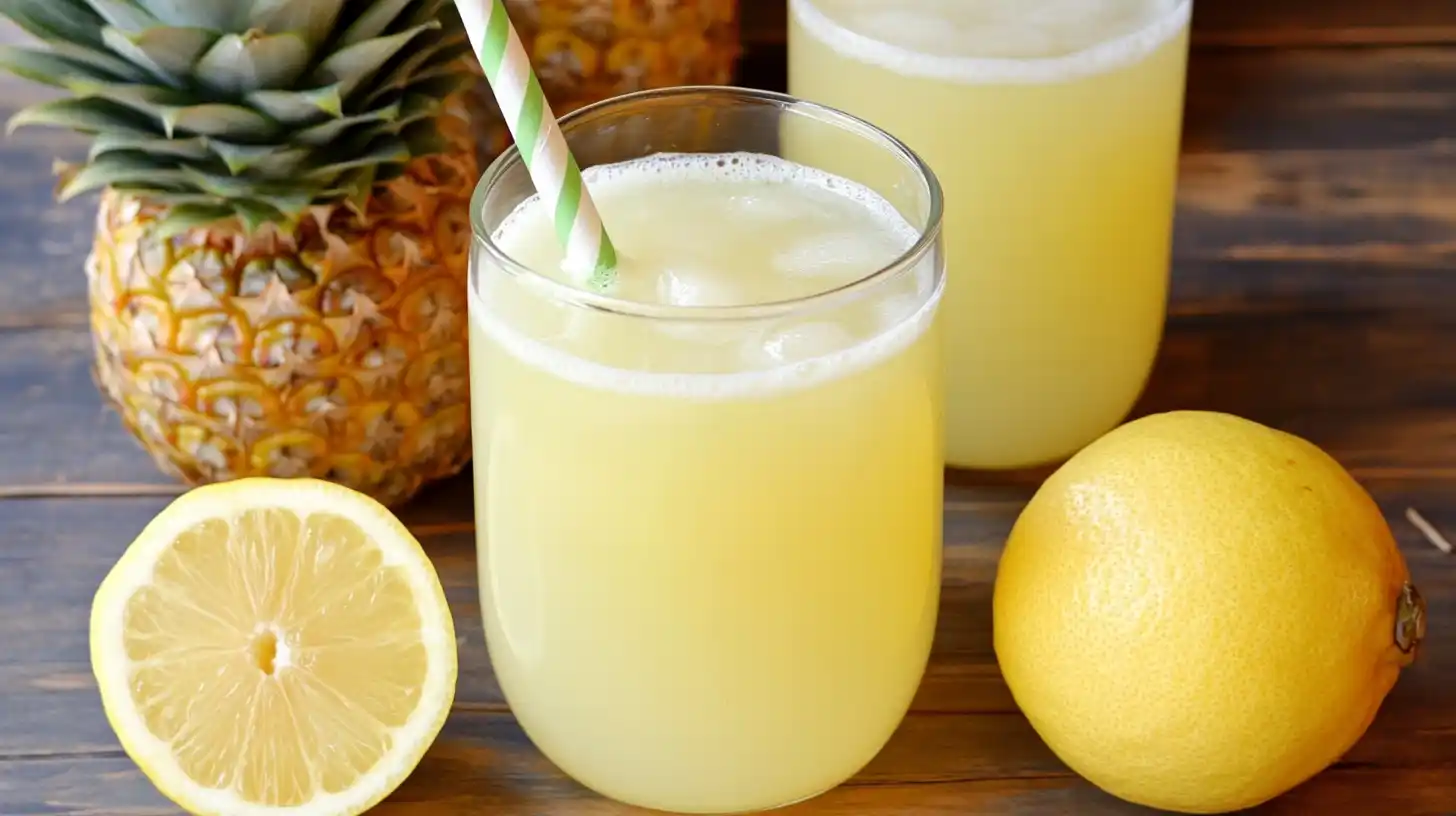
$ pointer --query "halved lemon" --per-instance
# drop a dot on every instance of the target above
(273, 646)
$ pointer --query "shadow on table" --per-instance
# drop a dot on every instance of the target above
(483, 763)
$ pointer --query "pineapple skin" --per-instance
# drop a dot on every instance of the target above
(585, 51)
(336, 350)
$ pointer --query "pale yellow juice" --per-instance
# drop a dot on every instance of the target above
(710, 550)
(1054, 128)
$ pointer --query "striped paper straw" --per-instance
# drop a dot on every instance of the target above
(553, 169)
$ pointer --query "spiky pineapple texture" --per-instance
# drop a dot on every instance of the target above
(257, 109)
(336, 350)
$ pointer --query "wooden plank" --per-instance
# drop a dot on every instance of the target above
(1337, 378)
(54, 429)
(1240, 23)
(57, 755)
(1284, 23)
(43, 244)
(1313, 292)
(467, 779)
(964, 726)
(1319, 100)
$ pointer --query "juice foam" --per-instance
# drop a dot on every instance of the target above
(994, 41)
(699, 236)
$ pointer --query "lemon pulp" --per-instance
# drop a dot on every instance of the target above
(274, 646)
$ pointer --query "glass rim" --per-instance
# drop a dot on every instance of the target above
(1093, 58)
(510, 159)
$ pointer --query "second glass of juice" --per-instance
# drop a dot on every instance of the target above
(709, 498)
(1054, 126)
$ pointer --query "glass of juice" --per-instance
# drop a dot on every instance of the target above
(709, 497)
(1054, 127)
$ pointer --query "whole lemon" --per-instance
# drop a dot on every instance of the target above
(1198, 613)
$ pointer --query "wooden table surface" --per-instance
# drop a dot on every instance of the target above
(1314, 290)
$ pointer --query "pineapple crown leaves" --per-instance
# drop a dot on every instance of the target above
(254, 109)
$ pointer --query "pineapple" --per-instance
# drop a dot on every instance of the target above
(278, 276)
(585, 51)
(588, 50)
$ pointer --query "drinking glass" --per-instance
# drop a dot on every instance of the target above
(1054, 126)
(709, 586)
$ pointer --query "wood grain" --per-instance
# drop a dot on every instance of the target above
(1314, 289)
(963, 733)
(54, 430)
(1284, 23)
(1319, 100)
(480, 776)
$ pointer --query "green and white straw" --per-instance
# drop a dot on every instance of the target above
(553, 169)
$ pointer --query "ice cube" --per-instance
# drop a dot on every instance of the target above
(798, 342)
(840, 254)
(689, 286)
(686, 286)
